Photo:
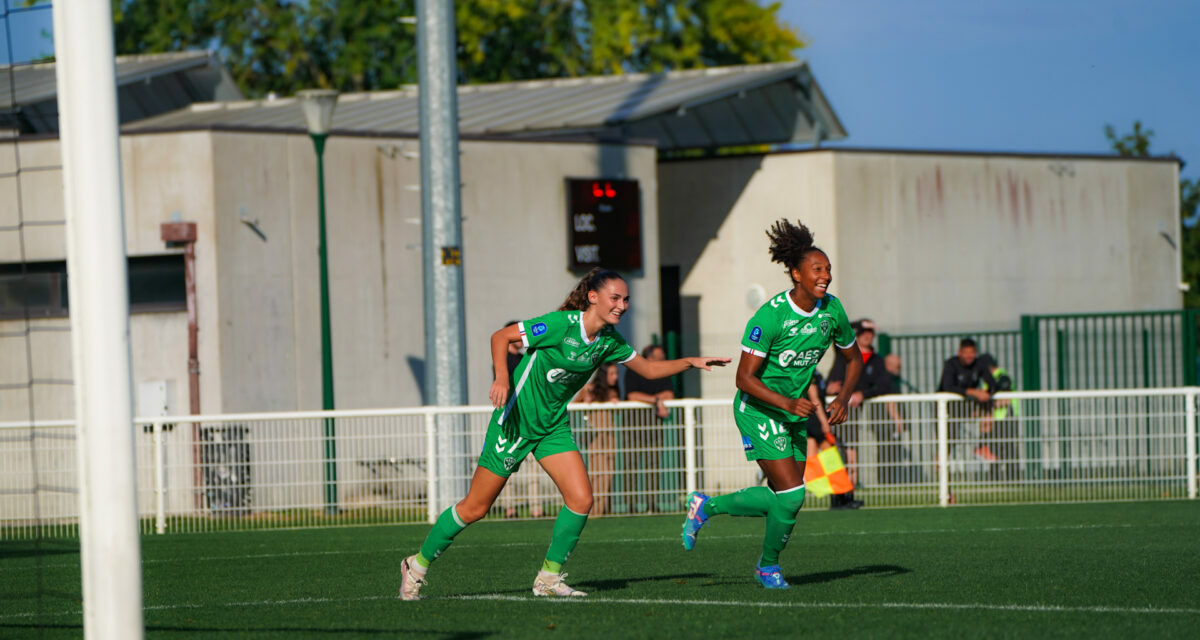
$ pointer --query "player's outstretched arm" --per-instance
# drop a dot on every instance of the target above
(655, 369)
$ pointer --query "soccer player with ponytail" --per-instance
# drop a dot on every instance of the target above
(564, 348)
(780, 348)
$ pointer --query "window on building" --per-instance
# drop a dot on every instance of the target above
(156, 283)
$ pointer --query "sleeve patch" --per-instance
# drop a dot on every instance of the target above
(756, 334)
(538, 329)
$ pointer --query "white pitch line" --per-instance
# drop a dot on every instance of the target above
(919, 606)
(674, 538)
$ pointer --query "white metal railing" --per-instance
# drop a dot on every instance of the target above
(239, 471)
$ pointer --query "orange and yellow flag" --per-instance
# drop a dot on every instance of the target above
(826, 474)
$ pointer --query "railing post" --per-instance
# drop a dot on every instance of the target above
(160, 479)
(431, 485)
(689, 446)
(943, 450)
(1190, 446)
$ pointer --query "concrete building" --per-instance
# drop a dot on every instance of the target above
(922, 241)
(253, 198)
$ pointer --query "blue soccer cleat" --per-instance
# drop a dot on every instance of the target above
(695, 518)
(770, 577)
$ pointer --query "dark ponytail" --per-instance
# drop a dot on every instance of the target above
(595, 279)
(790, 243)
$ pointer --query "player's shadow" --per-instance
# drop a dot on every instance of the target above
(878, 570)
(603, 585)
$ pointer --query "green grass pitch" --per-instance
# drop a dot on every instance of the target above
(1113, 570)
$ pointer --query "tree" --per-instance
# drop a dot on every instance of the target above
(283, 46)
(1137, 144)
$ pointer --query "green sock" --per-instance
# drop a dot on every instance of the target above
(567, 528)
(780, 521)
(751, 501)
(440, 536)
(551, 567)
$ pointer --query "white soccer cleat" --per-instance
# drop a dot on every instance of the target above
(551, 584)
(410, 581)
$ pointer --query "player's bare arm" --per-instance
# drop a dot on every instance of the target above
(655, 369)
(749, 382)
(837, 409)
(498, 394)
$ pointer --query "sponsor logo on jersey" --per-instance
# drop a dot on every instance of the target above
(538, 329)
(826, 328)
(781, 443)
(788, 323)
(808, 329)
(793, 331)
(747, 443)
(755, 334)
(806, 358)
(561, 376)
(509, 463)
(572, 342)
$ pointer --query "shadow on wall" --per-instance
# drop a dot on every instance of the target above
(417, 367)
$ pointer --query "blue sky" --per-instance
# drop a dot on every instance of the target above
(1012, 75)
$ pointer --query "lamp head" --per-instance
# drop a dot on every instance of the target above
(318, 106)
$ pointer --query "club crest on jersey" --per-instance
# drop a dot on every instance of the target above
(538, 329)
(826, 328)
(781, 443)
(755, 334)
(509, 463)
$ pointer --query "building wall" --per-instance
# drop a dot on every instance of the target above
(258, 296)
(922, 242)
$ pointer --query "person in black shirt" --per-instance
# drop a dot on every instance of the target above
(963, 374)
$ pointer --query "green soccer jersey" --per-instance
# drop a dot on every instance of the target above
(559, 361)
(791, 341)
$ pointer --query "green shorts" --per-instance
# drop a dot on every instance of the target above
(766, 439)
(503, 454)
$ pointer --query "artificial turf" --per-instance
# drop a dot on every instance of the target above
(1126, 569)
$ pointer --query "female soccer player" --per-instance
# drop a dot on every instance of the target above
(564, 348)
(780, 349)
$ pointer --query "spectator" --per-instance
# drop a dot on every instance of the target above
(875, 380)
(644, 444)
(969, 376)
(1003, 415)
(601, 449)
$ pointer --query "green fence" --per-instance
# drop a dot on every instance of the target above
(1069, 351)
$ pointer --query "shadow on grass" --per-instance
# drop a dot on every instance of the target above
(285, 632)
(878, 570)
(593, 585)
(31, 549)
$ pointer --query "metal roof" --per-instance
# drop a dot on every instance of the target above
(147, 85)
(722, 106)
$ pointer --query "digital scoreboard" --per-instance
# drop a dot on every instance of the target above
(605, 224)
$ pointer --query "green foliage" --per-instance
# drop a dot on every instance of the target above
(1134, 144)
(1137, 144)
(283, 46)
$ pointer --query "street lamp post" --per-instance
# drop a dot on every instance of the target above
(318, 106)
